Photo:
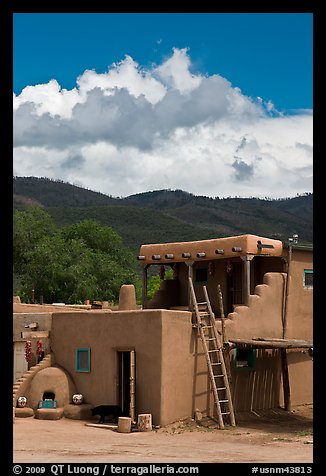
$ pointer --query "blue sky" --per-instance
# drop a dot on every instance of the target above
(128, 102)
(265, 54)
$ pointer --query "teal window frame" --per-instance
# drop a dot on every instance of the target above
(78, 351)
(308, 272)
(203, 281)
(251, 360)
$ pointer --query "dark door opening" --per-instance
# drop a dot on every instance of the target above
(234, 284)
(126, 382)
(48, 396)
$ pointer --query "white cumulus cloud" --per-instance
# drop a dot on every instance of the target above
(130, 130)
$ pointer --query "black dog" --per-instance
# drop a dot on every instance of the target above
(107, 410)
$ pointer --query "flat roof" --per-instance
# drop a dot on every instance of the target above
(213, 249)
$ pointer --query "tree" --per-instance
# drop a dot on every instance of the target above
(59, 271)
(95, 236)
(113, 264)
(29, 227)
(71, 264)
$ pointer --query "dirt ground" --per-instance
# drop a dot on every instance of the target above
(273, 436)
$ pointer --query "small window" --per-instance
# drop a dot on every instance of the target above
(245, 358)
(201, 275)
(308, 278)
(83, 360)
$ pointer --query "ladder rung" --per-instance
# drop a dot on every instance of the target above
(205, 320)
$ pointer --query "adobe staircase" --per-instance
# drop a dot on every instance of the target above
(21, 385)
(205, 323)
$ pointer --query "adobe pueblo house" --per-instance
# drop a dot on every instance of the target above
(231, 332)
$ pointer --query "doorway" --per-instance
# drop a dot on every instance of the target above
(234, 284)
(126, 382)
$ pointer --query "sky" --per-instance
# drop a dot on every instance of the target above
(215, 104)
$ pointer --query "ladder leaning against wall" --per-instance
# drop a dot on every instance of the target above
(214, 357)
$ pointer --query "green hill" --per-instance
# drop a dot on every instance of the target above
(168, 215)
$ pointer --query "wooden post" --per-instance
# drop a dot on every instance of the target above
(191, 276)
(246, 279)
(124, 425)
(220, 300)
(225, 345)
(144, 290)
(284, 360)
(132, 386)
(286, 381)
(144, 422)
(287, 291)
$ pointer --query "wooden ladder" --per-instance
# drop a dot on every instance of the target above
(214, 357)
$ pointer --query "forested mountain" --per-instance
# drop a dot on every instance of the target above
(168, 215)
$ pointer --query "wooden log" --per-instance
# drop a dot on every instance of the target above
(144, 422)
(275, 344)
(124, 425)
(102, 425)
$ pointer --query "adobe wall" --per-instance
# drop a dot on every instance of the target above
(105, 333)
(177, 370)
(301, 377)
(44, 321)
(262, 388)
(22, 319)
(300, 304)
(263, 316)
(171, 371)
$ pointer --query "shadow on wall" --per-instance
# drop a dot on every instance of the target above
(252, 388)
(202, 394)
(166, 296)
(259, 387)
